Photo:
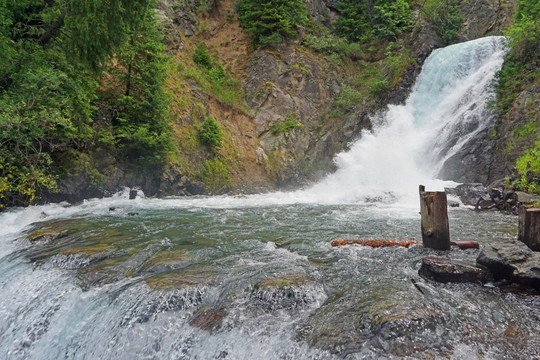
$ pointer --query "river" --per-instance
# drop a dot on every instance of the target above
(255, 277)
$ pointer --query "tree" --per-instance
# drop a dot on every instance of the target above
(52, 56)
(365, 20)
(272, 21)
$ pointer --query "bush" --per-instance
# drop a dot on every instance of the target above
(446, 18)
(210, 134)
(215, 174)
(201, 57)
(272, 21)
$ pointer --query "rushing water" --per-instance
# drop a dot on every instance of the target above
(254, 277)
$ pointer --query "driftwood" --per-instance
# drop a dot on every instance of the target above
(434, 223)
(374, 243)
(529, 227)
(377, 243)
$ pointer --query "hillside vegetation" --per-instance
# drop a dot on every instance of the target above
(181, 97)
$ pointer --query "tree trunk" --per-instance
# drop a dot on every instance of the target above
(529, 227)
(433, 210)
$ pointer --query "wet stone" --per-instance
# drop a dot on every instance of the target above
(444, 270)
(287, 292)
(167, 261)
(192, 276)
(209, 319)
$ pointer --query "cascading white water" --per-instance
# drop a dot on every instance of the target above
(409, 143)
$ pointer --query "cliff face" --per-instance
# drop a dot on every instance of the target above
(288, 110)
(292, 92)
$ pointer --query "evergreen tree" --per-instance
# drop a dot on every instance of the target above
(52, 55)
(272, 21)
(364, 20)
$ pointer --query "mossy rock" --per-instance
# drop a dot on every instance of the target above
(285, 281)
(191, 277)
(105, 272)
(89, 250)
(167, 261)
(49, 231)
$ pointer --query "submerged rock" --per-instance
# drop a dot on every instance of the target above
(208, 318)
(192, 276)
(167, 261)
(287, 292)
(444, 270)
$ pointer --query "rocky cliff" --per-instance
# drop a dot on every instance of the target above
(286, 111)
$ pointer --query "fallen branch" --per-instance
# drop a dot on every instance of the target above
(377, 243)
(374, 243)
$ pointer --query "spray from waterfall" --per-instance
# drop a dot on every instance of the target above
(446, 108)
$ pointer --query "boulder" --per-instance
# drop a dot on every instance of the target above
(469, 194)
(513, 261)
(444, 270)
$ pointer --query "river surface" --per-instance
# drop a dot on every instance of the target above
(226, 278)
(255, 277)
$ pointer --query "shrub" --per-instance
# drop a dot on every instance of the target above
(210, 133)
(201, 57)
(446, 18)
(215, 174)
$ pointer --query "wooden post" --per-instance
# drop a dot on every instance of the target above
(529, 227)
(433, 210)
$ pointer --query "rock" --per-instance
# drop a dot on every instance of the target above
(513, 261)
(208, 318)
(444, 270)
(167, 261)
(503, 258)
(287, 292)
(468, 193)
(132, 194)
(525, 198)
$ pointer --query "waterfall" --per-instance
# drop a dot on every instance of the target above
(409, 143)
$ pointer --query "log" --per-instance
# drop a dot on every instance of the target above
(464, 245)
(375, 243)
(434, 223)
(529, 227)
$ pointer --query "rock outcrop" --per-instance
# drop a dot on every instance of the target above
(512, 261)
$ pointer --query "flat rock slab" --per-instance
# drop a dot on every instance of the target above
(444, 270)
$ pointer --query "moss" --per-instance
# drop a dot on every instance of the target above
(89, 250)
(180, 279)
(287, 281)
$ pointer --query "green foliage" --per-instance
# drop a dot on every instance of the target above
(525, 33)
(142, 126)
(215, 174)
(97, 28)
(365, 20)
(528, 169)
(291, 122)
(322, 40)
(210, 134)
(347, 98)
(201, 57)
(52, 56)
(446, 18)
(272, 21)
(521, 63)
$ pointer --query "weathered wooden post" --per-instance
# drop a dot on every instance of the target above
(433, 210)
(529, 227)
